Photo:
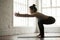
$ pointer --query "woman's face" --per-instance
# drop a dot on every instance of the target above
(31, 11)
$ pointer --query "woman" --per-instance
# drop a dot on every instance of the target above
(42, 19)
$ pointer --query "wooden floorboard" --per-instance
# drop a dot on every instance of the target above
(48, 36)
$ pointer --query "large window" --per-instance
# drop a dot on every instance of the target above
(47, 7)
(51, 8)
(22, 6)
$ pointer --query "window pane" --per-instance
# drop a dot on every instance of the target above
(54, 12)
(54, 3)
(46, 3)
(58, 11)
(47, 11)
(58, 2)
(58, 21)
(40, 6)
(19, 8)
(21, 1)
(32, 22)
(20, 22)
(31, 2)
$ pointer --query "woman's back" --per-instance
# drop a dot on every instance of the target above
(40, 15)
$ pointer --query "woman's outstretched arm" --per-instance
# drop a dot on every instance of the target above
(23, 15)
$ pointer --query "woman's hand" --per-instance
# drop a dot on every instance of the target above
(17, 14)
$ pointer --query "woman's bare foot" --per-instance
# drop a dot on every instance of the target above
(39, 35)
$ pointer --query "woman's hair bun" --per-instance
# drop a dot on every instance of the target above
(34, 5)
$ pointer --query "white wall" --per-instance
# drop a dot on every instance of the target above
(6, 7)
(6, 21)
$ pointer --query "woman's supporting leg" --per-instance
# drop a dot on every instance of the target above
(41, 28)
(50, 20)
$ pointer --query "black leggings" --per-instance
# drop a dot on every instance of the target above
(50, 20)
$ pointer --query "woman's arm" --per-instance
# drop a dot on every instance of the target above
(23, 15)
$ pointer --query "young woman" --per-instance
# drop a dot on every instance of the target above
(42, 19)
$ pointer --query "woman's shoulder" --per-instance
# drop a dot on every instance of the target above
(39, 13)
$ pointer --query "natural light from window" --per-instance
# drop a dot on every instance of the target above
(47, 7)
(22, 6)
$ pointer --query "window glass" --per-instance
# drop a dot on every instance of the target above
(46, 3)
(47, 11)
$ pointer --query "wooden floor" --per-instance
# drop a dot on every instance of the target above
(48, 36)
